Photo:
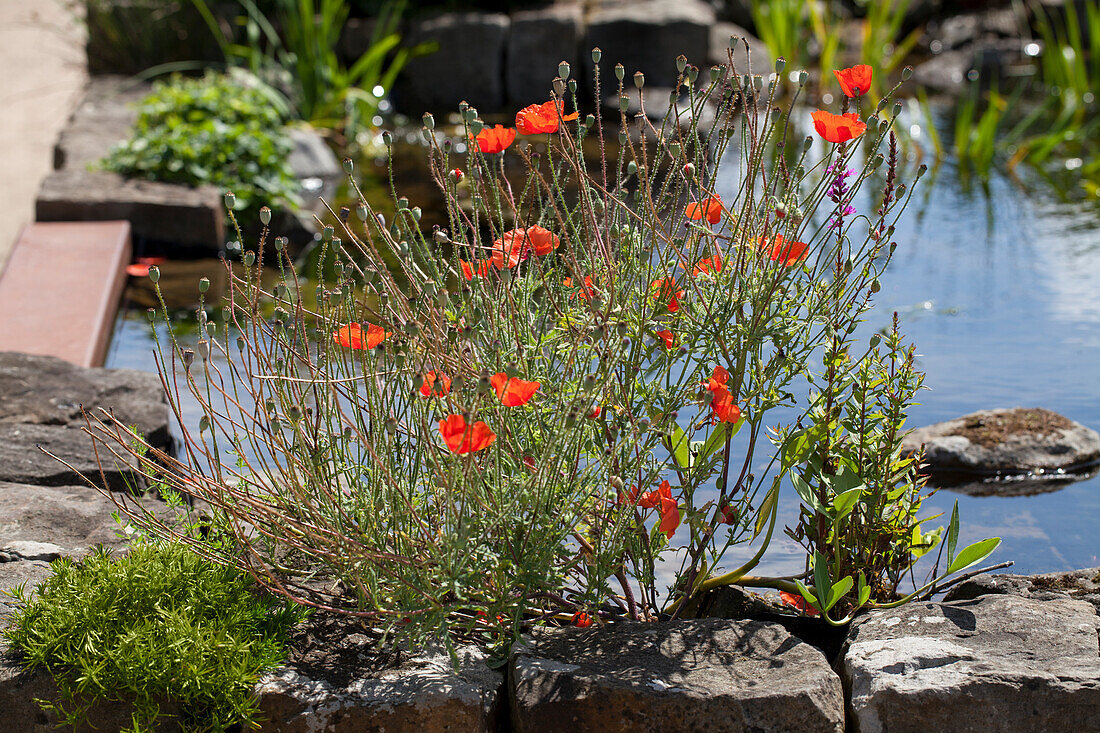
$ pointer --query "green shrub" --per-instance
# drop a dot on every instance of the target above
(214, 130)
(160, 623)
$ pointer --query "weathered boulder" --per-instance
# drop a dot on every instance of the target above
(1083, 585)
(538, 42)
(468, 65)
(26, 573)
(647, 36)
(338, 680)
(708, 674)
(44, 390)
(1006, 441)
(998, 663)
(24, 459)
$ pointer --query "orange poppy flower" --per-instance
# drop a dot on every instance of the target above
(351, 336)
(513, 392)
(668, 337)
(708, 208)
(494, 139)
(729, 515)
(838, 128)
(469, 272)
(796, 601)
(670, 516)
(652, 499)
(629, 498)
(722, 405)
(665, 291)
(141, 267)
(708, 265)
(587, 291)
(542, 240)
(508, 250)
(535, 119)
(595, 414)
(856, 81)
(429, 386)
(460, 439)
(582, 620)
(784, 252)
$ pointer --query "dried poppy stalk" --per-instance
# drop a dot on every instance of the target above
(440, 435)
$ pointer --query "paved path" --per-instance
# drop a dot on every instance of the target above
(41, 76)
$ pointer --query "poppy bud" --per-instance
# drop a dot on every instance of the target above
(417, 213)
(589, 121)
(506, 276)
(597, 54)
(622, 137)
(387, 138)
(457, 175)
(204, 284)
(230, 200)
(154, 274)
(616, 483)
(349, 166)
(689, 170)
(807, 143)
(681, 63)
(875, 340)
(780, 211)
(875, 286)
(570, 419)
(639, 79)
(280, 243)
(429, 121)
(391, 425)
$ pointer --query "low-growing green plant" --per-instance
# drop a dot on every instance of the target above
(217, 130)
(555, 405)
(158, 624)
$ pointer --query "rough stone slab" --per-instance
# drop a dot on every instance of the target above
(42, 522)
(704, 675)
(103, 117)
(469, 64)
(162, 212)
(28, 573)
(647, 36)
(1083, 585)
(337, 681)
(987, 442)
(44, 390)
(995, 664)
(539, 41)
(22, 460)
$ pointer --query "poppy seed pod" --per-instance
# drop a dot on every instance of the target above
(622, 137)
(402, 204)
(349, 166)
(589, 120)
(429, 121)
(203, 347)
(692, 73)
(391, 425)
(597, 54)
(875, 286)
(387, 138)
(265, 216)
(154, 274)
(188, 357)
(230, 200)
(417, 213)
(563, 69)
(361, 212)
(639, 79)
(906, 73)
(715, 74)
(559, 86)
(674, 149)
(240, 343)
(803, 77)
(440, 236)
(897, 109)
(280, 243)
(624, 104)
(204, 284)
(326, 234)
(780, 64)
(681, 63)
(734, 40)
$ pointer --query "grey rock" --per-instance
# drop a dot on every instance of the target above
(23, 458)
(161, 212)
(647, 36)
(1082, 585)
(340, 680)
(995, 664)
(44, 390)
(538, 42)
(468, 65)
(709, 674)
(1015, 440)
(103, 118)
(26, 573)
(66, 520)
(29, 550)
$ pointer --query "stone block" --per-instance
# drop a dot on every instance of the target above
(539, 41)
(999, 664)
(467, 65)
(647, 36)
(705, 675)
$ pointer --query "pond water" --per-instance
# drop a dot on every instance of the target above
(999, 288)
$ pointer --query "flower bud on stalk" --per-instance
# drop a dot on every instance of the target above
(265, 216)
(349, 166)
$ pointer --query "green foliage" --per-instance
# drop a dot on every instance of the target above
(216, 130)
(160, 623)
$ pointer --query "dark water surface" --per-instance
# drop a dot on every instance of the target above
(1000, 291)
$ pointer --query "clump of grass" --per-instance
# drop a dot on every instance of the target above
(158, 624)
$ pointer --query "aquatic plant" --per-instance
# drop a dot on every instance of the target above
(554, 407)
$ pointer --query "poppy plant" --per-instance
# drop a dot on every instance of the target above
(508, 250)
(796, 601)
(707, 266)
(668, 337)
(470, 271)
(722, 405)
(784, 252)
(856, 81)
(838, 128)
(665, 291)
(351, 336)
(709, 208)
(670, 516)
(513, 392)
(582, 620)
(652, 499)
(587, 291)
(462, 439)
(535, 119)
(494, 139)
(542, 240)
(429, 386)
